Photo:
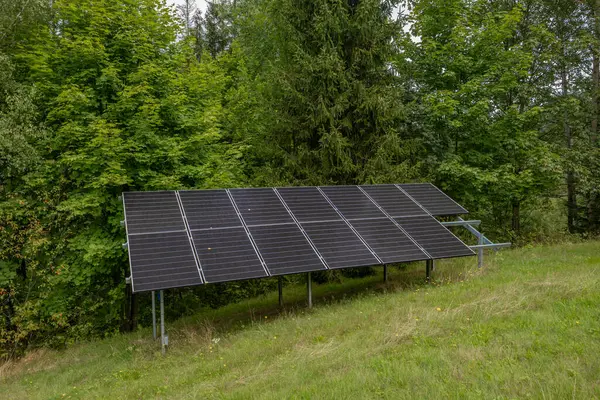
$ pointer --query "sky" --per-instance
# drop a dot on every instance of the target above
(201, 4)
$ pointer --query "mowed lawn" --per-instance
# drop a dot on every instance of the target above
(526, 325)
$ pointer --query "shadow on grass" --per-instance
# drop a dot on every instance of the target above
(227, 320)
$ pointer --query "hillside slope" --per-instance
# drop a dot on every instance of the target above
(528, 324)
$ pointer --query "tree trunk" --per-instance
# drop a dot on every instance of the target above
(571, 189)
(130, 311)
(595, 98)
(593, 206)
(516, 219)
(134, 311)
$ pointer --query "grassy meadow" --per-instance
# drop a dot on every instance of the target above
(525, 326)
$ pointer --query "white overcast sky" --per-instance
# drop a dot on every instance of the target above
(201, 4)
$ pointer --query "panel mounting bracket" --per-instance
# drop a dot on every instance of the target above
(482, 241)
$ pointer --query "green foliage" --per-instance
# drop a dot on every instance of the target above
(334, 102)
(128, 109)
(491, 100)
(483, 109)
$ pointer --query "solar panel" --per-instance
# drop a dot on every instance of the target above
(351, 202)
(253, 233)
(308, 204)
(162, 261)
(285, 250)
(151, 212)
(227, 255)
(208, 209)
(393, 200)
(260, 206)
(438, 241)
(388, 241)
(339, 245)
(433, 199)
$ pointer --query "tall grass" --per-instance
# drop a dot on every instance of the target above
(527, 325)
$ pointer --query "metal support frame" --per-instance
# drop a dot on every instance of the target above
(309, 289)
(480, 252)
(494, 246)
(153, 315)
(280, 287)
(482, 241)
(385, 273)
(163, 337)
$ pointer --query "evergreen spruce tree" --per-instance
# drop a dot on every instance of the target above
(334, 98)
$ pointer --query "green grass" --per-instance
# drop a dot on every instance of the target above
(527, 325)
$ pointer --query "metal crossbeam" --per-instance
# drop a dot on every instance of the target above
(491, 246)
(461, 222)
(482, 241)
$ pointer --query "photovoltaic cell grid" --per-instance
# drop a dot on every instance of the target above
(227, 255)
(387, 241)
(433, 199)
(151, 212)
(393, 200)
(338, 245)
(281, 231)
(260, 206)
(308, 204)
(285, 249)
(209, 209)
(160, 253)
(433, 237)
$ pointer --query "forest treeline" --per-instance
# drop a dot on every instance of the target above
(495, 101)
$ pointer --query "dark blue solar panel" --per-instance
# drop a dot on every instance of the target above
(339, 245)
(162, 261)
(162, 256)
(388, 241)
(308, 204)
(432, 236)
(206, 209)
(227, 255)
(260, 206)
(152, 212)
(285, 250)
(393, 200)
(352, 202)
(432, 199)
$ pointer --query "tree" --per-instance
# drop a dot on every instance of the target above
(333, 96)
(479, 70)
(126, 110)
(187, 11)
(218, 29)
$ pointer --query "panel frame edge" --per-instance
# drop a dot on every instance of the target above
(349, 224)
(395, 222)
(250, 238)
(127, 236)
(310, 242)
(188, 231)
(434, 218)
(450, 198)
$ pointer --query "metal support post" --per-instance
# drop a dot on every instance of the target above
(385, 273)
(280, 287)
(163, 338)
(309, 289)
(428, 264)
(480, 252)
(154, 315)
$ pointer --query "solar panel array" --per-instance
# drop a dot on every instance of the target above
(191, 237)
